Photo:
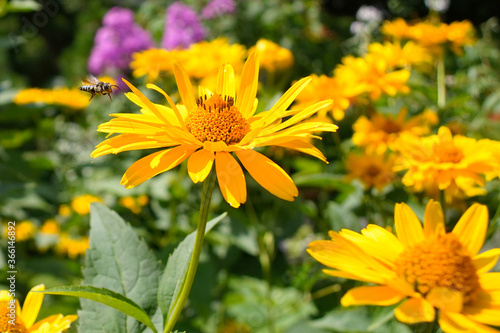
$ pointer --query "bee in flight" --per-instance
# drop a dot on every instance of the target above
(95, 87)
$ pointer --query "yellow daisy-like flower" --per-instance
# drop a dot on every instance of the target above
(456, 164)
(379, 131)
(324, 87)
(272, 56)
(81, 204)
(13, 319)
(72, 247)
(72, 98)
(64, 210)
(374, 170)
(423, 268)
(209, 129)
(154, 62)
(398, 57)
(24, 230)
(50, 226)
(134, 204)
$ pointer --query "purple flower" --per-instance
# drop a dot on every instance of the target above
(116, 41)
(182, 27)
(216, 8)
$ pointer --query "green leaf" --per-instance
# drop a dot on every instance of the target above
(23, 6)
(119, 261)
(107, 297)
(178, 262)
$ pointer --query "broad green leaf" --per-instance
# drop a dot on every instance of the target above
(107, 297)
(178, 262)
(119, 261)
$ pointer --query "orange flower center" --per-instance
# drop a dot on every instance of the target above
(439, 262)
(6, 326)
(390, 126)
(448, 152)
(217, 119)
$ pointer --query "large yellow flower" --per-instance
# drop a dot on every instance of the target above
(24, 319)
(374, 170)
(424, 269)
(456, 164)
(273, 57)
(213, 127)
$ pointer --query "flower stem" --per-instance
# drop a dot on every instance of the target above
(206, 198)
(441, 87)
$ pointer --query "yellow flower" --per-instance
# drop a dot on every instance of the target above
(72, 98)
(72, 247)
(378, 132)
(456, 164)
(397, 28)
(396, 56)
(64, 210)
(323, 87)
(154, 62)
(375, 74)
(50, 226)
(272, 56)
(210, 129)
(374, 170)
(24, 230)
(24, 319)
(81, 204)
(423, 267)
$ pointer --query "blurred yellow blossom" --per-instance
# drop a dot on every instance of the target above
(81, 204)
(50, 226)
(70, 97)
(134, 204)
(154, 62)
(396, 56)
(379, 131)
(25, 230)
(72, 247)
(374, 170)
(272, 56)
(65, 210)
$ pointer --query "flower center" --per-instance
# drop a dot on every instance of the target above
(448, 152)
(5, 319)
(390, 127)
(217, 119)
(372, 171)
(439, 262)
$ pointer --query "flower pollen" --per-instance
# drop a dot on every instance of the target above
(5, 326)
(439, 262)
(217, 119)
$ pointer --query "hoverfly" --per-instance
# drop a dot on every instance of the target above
(95, 87)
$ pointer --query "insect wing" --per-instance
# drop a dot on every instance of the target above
(90, 79)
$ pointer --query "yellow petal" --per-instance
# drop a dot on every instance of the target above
(32, 305)
(268, 174)
(445, 299)
(304, 147)
(408, 227)
(56, 322)
(486, 260)
(415, 310)
(471, 228)
(225, 81)
(433, 219)
(372, 295)
(489, 316)
(199, 165)
(185, 87)
(248, 86)
(153, 164)
(457, 322)
(146, 101)
(170, 102)
(231, 179)
(490, 281)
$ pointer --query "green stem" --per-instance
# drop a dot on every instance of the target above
(494, 223)
(441, 87)
(206, 198)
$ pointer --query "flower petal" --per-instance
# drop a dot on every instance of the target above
(372, 295)
(486, 260)
(490, 281)
(457, 322)
(248, 86)
(433, 219)
(268, 174)
(146, 101)
(199, 165)
(471, 228)
(170, 101)
(225, 81)
(415, 310)
(231, 179)
(32, 305)
(445, 299)
(489, 316)
(408, 227)
(153, 164)
(185, 87)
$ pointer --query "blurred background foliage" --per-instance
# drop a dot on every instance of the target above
(255, 270)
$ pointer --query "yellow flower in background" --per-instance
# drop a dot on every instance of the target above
(81, 204)
(64, 210)
(379, 131)
(50, 226)
(395, 56)
(26, 316)
(25, 230)
(397, 28)
(374, 170)
(134, 204)
(72, 247)
(154, 62)
(456, 164)
(70, 97)
(324, 87)
(208, 130)
(428, 271)
(375, 74)
(272, 56)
